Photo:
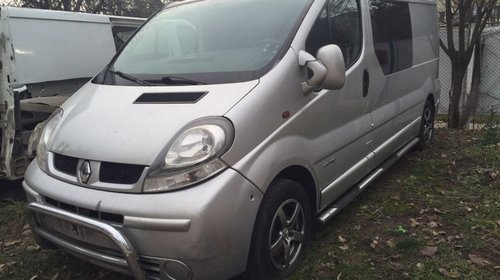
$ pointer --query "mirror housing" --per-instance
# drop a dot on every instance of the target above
(328, 68)
(331, 56)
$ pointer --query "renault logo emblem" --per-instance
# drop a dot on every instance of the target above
(85, 172)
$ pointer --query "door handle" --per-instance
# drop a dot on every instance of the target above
(366, 83)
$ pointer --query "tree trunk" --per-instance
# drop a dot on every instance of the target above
(457, 77)
(66, 5)
(78, 5)
(98, 8)
(474, 90)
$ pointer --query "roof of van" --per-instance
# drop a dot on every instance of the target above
(119, 20)
(62, 15)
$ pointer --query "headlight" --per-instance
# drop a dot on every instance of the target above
(193, 156)
(46, 137)
(195, 145)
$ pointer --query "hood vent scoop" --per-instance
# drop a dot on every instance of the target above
(170, 97)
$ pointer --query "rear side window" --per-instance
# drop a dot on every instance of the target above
(392, 35)
(338, 23)
(121, 35)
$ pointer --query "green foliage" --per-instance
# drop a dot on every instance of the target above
(491, 131)
(11, 212)
(447, 199)
(409, 245)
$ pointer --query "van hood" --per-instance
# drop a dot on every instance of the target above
(105, 123)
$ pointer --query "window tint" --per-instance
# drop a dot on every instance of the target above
(338, 23)
(392, 35)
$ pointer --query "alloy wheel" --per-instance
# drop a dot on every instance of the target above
(286, 234)
(428, 126)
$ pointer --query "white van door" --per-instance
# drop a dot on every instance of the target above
(340, 120)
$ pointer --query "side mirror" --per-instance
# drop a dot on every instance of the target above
(328, 68)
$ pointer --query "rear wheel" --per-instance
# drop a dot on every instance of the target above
(426, 132)
(281, 233)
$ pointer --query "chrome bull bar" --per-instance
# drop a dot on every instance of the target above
(121, 241)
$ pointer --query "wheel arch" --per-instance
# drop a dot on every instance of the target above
(305, 179)
(431, 98)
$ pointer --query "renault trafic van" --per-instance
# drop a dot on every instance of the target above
(223, 128)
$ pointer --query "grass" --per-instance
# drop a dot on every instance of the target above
(21, 258)
(446, 198)
(434, 215)
(474, 118)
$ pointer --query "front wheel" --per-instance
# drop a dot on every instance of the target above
(426, 132)
(281, 233)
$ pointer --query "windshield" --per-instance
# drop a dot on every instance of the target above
(211, 41)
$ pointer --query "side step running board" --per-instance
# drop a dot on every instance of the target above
(358, 188)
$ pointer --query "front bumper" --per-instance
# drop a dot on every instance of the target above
(131, 259)
(206, 228)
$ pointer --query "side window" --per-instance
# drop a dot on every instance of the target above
(338, 23)
(319, 35)
(392, 35)
(121, 35)
(345, 28)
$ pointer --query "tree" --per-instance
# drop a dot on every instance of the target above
(459, 16)
(14, 3)
(65, 5)
(136, 8)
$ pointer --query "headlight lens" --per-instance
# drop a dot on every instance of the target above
(46, 137)
(193, 156)
(195, 145)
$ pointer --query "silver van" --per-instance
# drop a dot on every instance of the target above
(219, 133)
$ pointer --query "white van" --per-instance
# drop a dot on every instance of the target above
(45, 57)
(224, 127)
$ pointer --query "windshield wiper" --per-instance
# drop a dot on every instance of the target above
(174, 80)
(130, 78)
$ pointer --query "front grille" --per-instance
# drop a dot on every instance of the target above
(114, 173)
(118, 173)
(103, 216)
(66, 164)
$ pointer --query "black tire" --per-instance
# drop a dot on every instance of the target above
(284, 219)
(426, 132)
